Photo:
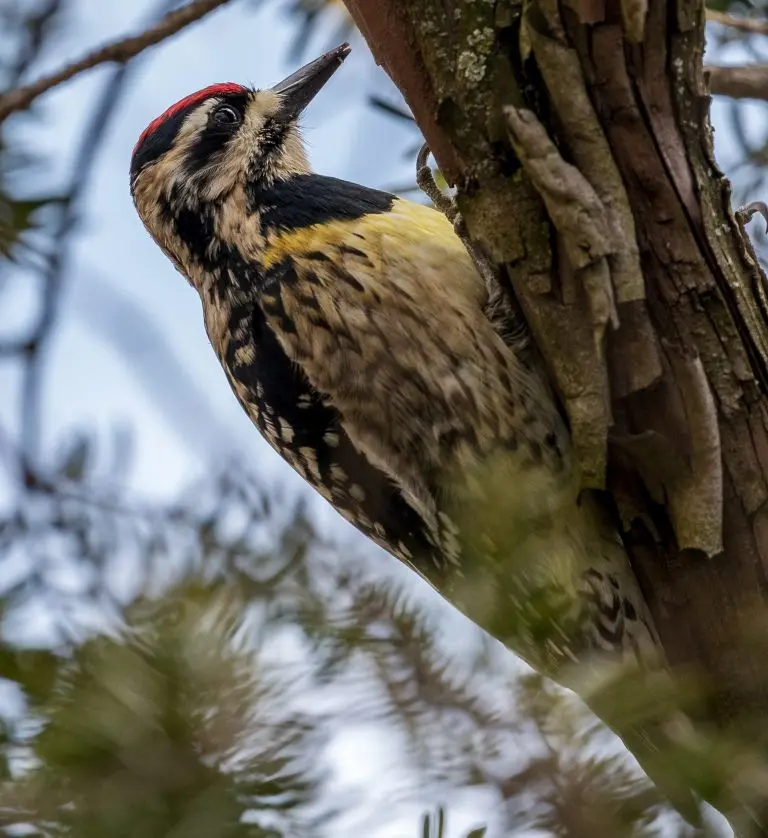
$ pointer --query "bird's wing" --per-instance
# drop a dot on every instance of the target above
(384, 315)
(307, 432)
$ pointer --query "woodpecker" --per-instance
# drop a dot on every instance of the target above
(357, 334)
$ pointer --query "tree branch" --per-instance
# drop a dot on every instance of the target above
(745, 24)
(749, 82)
(119, 52)
(35, 344)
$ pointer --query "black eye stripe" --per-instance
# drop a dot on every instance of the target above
(216, 135)
(212, 139)
(160, 141)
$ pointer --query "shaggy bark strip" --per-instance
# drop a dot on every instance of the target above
(618, 88)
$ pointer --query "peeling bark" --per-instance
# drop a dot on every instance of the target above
(670, 413)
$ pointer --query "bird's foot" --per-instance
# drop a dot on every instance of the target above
(447, 205)
(426, 182)
(744, 214)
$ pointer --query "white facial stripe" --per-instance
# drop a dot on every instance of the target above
(230, 167)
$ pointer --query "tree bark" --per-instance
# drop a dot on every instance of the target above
(579, 139)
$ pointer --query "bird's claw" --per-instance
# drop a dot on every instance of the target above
(744, 214)
(446, 204)
(426, 182)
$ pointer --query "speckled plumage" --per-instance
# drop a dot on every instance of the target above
(355, 332)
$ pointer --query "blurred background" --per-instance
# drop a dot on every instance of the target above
(193, 643)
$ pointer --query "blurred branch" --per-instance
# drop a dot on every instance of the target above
(53, 274)
(750, 82)
(312, 16)
(391, 109)
(119, 51)
(30, 348)
(36, 29)
(33, 345)
(745, 24)
(120, 321)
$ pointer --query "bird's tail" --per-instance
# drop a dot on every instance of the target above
(558, 589)
(621, 672)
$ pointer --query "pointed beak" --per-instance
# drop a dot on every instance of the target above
(301, 87)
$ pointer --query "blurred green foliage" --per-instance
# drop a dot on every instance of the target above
(166, 728)
(178, 714)
(18, 216)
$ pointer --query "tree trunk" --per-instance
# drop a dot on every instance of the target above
(613, 226)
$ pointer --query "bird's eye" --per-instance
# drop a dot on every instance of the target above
(226, 116)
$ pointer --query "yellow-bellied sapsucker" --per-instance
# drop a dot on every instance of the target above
(357, 334)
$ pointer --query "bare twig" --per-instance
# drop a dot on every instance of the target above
(750, 82)
(52, 276)
(36, 26)
(745, 24)
(119, 51)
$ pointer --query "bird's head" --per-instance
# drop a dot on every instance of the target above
(194, 167)
(199, 149)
